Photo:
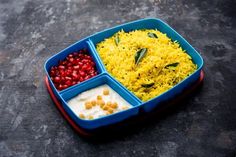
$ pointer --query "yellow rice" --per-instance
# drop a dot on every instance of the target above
(119, 61)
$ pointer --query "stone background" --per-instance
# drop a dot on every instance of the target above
(204, 125)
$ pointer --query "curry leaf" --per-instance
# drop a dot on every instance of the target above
(172, 65)
(117, 40)
(152, 35)
(147, 85)
(139, 55)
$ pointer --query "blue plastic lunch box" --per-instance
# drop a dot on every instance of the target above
(104, 77)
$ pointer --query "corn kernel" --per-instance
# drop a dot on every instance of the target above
(93, 102)
(101, 103)
(90, 117)
(105, 107)
(88, 105)
(106, 91)
(109, 103)
(114, 105)
(81, 116)
(99, 97)
(110, 110)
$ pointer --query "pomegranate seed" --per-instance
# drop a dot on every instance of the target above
(60, 87)
(65, 86)
(62, 79)
(61, 67)
(84, 67)
(69, 65)
(75, 76)
(81, 79)
(57, 79)
(82, 73)
(70, 68)
(52, 73)
(62, 73)
(86, 77)
(71, 60)
(80, 64)
(68, 78)
(68, 82)
(76, 67)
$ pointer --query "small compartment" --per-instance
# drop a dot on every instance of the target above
(96, 83)
(68, 67)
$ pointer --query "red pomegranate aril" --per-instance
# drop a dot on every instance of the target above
(62, 79)
(64, 86)
(69, 64)
(84, 67)
(89, 68)
(92, 64)
(60, 87)
(76, 67)
(67, 73)
(57, 79)
(71, 60)
(61, 67)
(52, 73)
(92, 74)
(70, 68)
(68, 82)
(62, 73)
(82, 73)
(81, 79)
(86, 77)
(75, 76)
(68, 78)
(73, 82)
(74, 72)
(77, 60)
(70, 55)
(85, 61)
(80, 64)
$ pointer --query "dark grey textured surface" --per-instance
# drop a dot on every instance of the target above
(33, 30)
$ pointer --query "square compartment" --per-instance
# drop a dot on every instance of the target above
(53, 61)
(106, 120)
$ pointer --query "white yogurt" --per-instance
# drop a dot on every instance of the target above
(77, 104)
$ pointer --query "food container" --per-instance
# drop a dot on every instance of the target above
(104, 77)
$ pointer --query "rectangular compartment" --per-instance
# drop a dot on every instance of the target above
(152, 23)
(53, 61)
(106, 120)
